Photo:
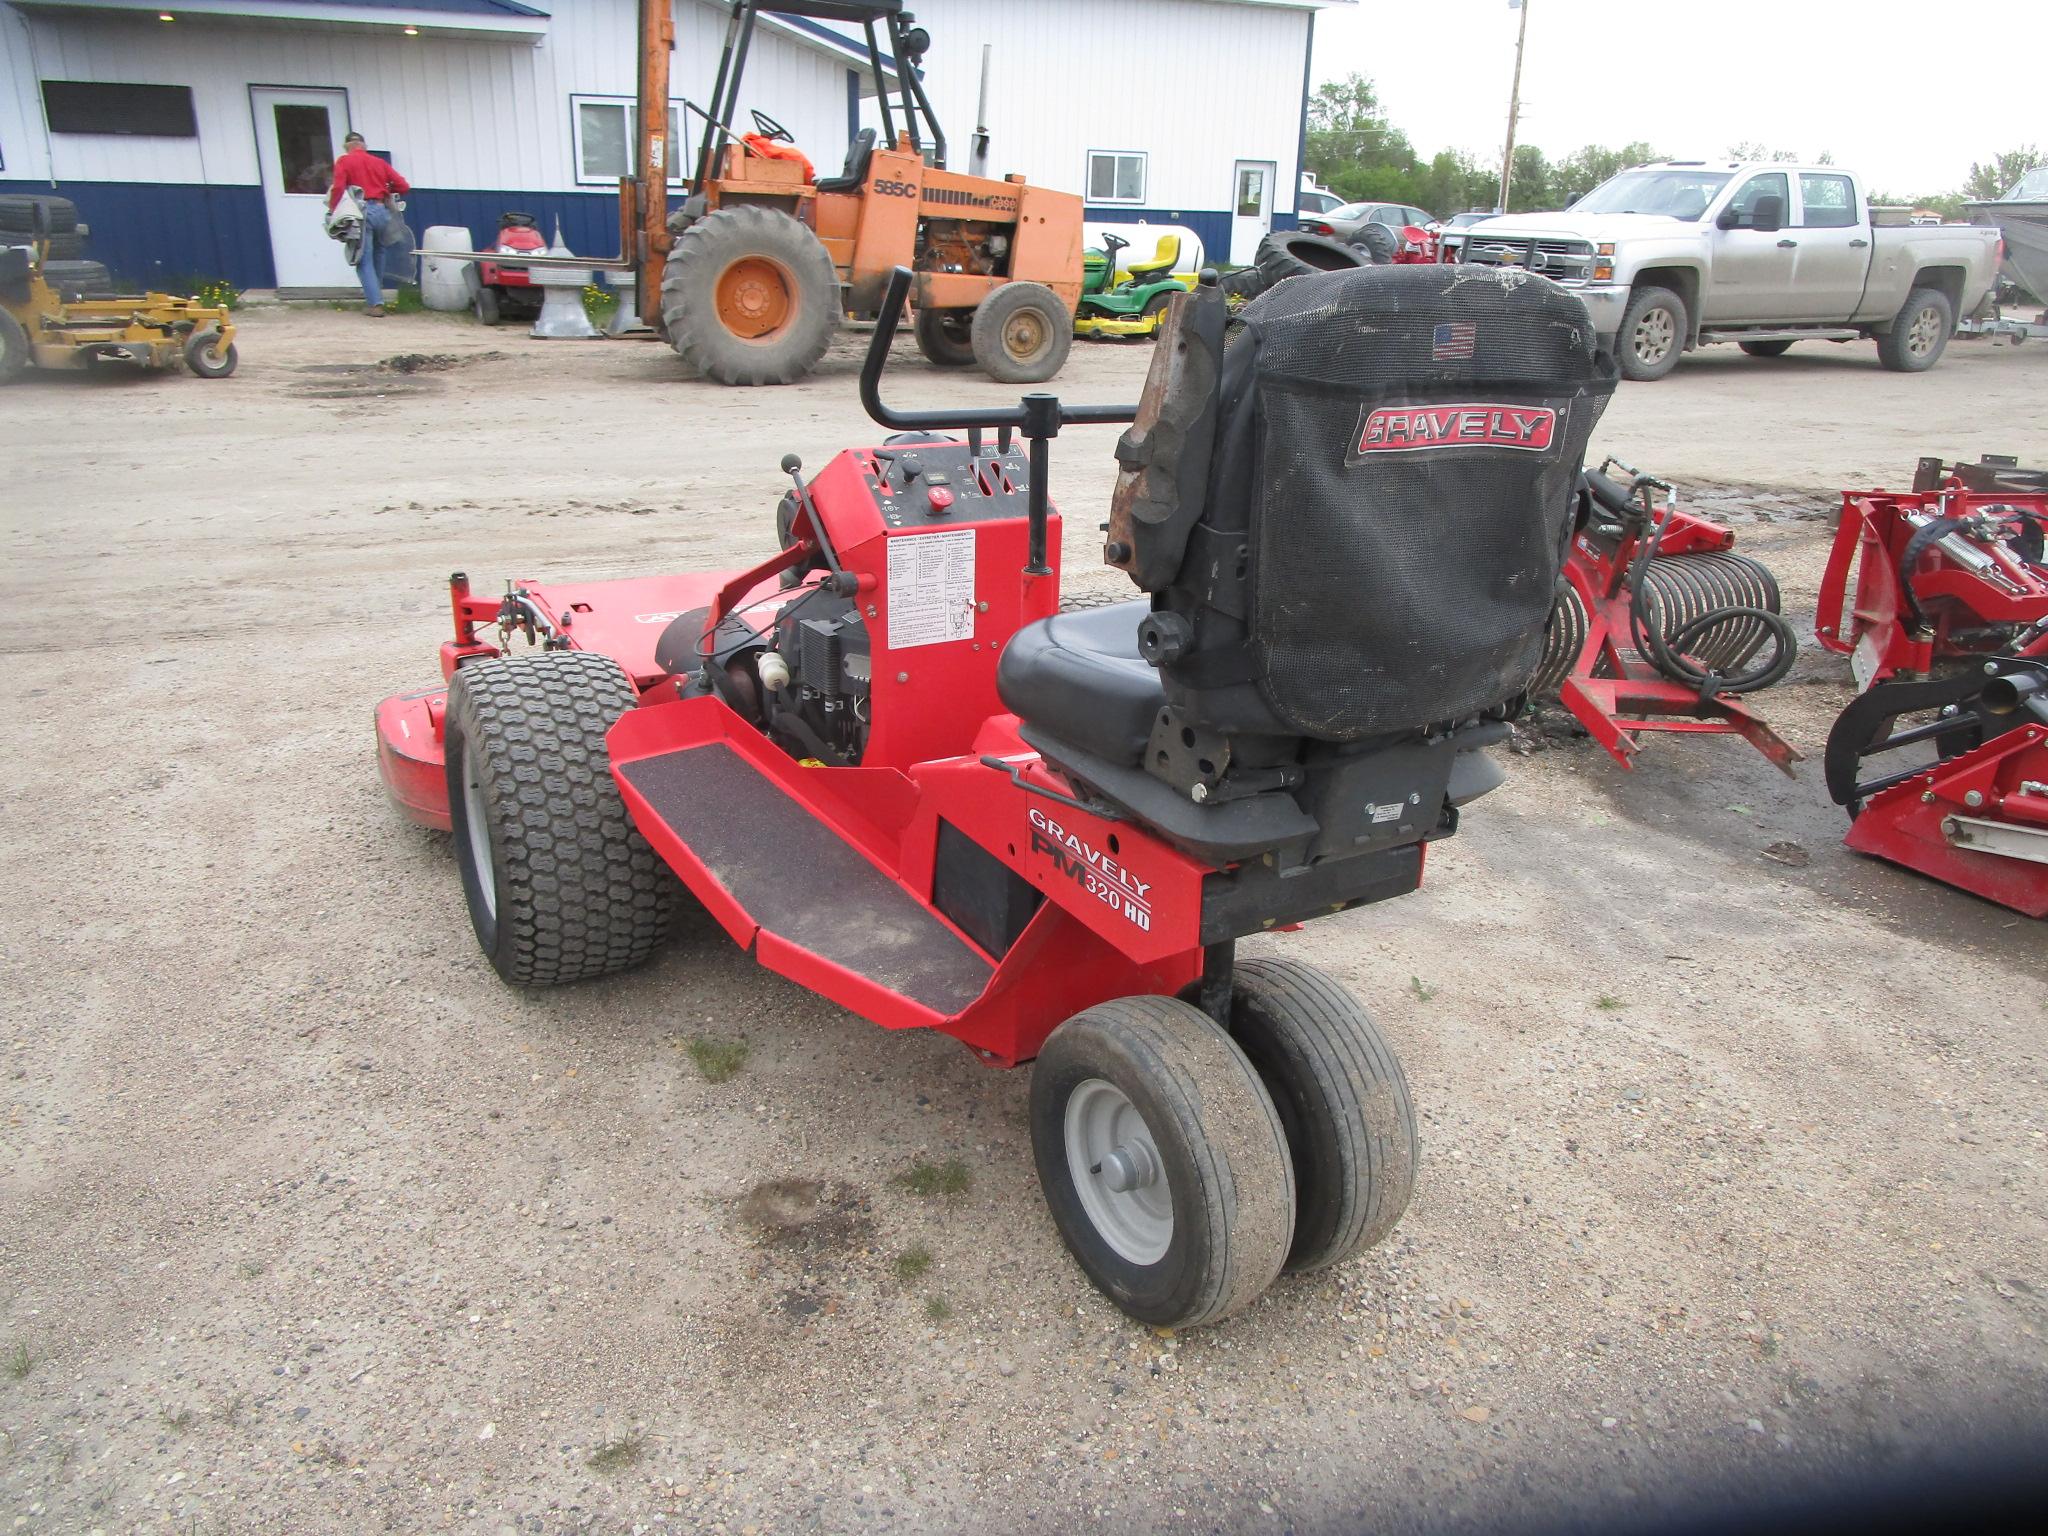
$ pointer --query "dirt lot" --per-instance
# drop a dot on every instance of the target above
(1734, 1167)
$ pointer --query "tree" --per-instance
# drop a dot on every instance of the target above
(1349, 136)
(1529, 190)
(1992, 179)
(1750, 149)
(1576, 175)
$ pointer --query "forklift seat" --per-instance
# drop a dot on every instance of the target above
(1164, 256)
(855, 173)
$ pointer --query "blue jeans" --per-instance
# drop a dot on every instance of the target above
(376, 217)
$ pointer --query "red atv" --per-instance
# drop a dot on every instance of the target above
(896, 772)
(502, 291)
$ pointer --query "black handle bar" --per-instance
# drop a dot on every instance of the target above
(1037, 416)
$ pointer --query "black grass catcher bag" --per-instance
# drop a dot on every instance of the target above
(1404, 443)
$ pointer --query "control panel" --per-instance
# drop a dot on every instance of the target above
(933, 482)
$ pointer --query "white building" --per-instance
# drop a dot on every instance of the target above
(196, 135)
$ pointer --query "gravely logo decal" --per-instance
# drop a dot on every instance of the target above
(1093, 870)
(1413, 428)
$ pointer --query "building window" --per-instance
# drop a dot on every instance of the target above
(603, 130)
(1115, 176)
(98, 106)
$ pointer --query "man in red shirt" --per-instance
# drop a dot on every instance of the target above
(357, 167)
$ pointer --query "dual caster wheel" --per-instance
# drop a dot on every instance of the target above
(1187, 1167)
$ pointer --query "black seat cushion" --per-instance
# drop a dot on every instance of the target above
(1078, 676)
(855, 171)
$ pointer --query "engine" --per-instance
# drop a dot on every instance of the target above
(802, 676)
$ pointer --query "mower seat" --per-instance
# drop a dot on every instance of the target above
(1080, 676)
(855, 172)
(1164, 255)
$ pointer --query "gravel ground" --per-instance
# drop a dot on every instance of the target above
(1733, 1144)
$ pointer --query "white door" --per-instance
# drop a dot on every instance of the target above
(1251, 207)
(298, 139)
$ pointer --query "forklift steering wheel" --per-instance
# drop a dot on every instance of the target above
(769, 127)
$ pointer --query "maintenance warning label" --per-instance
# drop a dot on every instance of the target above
(931, 588)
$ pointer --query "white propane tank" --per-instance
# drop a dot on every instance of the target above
(1144, 240)
(444, 284)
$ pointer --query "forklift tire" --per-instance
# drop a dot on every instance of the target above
(207, 358)
(946, 337)
(1342, 1098)
(14, 349)
(1022, 333)
(486, 307)
(1920, 334)
(561, 887)
(1163, 1160)
(750, 297)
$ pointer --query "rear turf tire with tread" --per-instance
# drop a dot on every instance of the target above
(14, 350)
(1920, 335)
(946, 337)
(575, 891)
(1022, 334)
(1342, 1098)
(1221, 1149)
(705, 257)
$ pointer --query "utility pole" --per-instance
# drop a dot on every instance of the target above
(1507, 156)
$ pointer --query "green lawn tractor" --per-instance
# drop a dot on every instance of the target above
(1134, 306)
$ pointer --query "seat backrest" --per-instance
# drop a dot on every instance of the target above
(1164, 256)
(1381, 511)
(855, 171)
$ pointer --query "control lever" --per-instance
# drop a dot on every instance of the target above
(840, 582)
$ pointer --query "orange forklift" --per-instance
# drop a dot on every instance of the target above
(763, 259)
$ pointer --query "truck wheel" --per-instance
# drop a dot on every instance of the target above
(750, 297)
(1343, 1102)
(1917, 338)
(946, 337)
(207, 358)
(1022, 333)
(1766, 348)
(1652, 334)
(560, 885)
(14, 348)
(1163, 1160)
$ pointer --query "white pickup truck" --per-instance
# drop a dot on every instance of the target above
(1673, 256)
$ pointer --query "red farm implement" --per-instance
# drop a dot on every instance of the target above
(1939, 596)
(1659, 625)
(889, 765)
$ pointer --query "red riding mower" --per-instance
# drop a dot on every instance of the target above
(1939, 598)
(892, 769)
(499, 290)
(1659, 625)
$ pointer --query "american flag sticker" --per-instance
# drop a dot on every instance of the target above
(1452, 343)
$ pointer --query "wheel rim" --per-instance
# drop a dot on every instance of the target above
(1026, 335)
(755, 298)
(1654, 333)
(480, 863)
(1925, 331)
(1117, 1172)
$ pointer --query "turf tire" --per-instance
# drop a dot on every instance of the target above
(485, 305)
(577, 893)
(705, 252)
(1343, 1101)
(14, 349)
(1220, 1143)
(946, 337)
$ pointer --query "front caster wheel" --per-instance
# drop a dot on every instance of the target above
(1342, 1098)
(1163, 1160)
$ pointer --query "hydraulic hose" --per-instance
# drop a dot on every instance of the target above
(1666, 653)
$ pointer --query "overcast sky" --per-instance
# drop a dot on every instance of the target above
(1691, 79)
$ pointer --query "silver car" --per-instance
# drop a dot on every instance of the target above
(1348, 222)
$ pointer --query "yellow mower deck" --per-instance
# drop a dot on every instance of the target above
(153, 329)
